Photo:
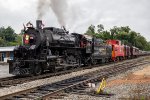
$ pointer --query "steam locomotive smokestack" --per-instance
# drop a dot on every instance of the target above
(39, 24)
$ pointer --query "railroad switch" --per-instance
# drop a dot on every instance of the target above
(101, 87)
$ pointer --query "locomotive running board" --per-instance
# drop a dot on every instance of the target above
(33, 60)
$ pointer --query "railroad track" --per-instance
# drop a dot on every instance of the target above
(12, 81)
(77, 85)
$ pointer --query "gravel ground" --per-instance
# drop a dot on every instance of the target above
(130, 90)
(20, 87)
(4, 71)
(120, 92)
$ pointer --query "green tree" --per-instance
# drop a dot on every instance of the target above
(100, 28)
(91, 30)
(126, 29)
(2, 42)
(123, 33)
(8, 37)
(114, 31)
(7, 33)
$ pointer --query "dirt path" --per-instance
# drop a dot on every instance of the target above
(138, 77)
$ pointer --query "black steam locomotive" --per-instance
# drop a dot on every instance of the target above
(52, 49)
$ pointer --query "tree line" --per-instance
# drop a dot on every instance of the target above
(123, 33)
(8, 37)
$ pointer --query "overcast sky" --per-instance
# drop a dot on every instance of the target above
(81, 14)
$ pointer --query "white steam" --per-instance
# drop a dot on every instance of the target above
(59, 7)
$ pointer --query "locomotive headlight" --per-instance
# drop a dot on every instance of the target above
(26, 39)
